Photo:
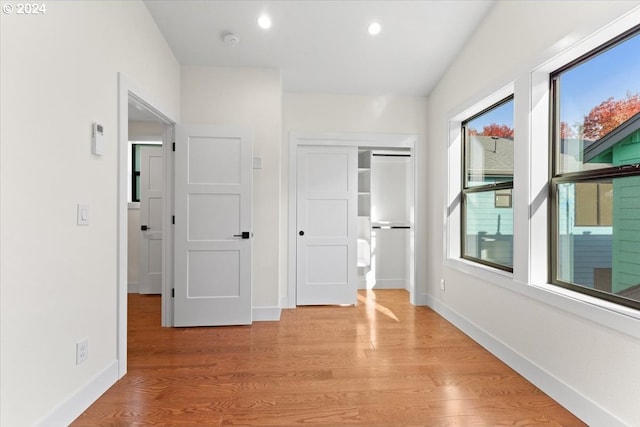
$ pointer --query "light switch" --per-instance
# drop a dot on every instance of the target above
(257, 162)
(83, 214)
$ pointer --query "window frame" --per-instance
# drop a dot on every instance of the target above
(485, 188)
(586, 176)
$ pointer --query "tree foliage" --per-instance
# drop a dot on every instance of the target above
(566, 131)
(494, 129)
(610, 114)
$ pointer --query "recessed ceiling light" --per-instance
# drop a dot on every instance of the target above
(375, 28)
(264, 21)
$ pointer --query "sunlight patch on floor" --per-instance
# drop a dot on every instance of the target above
(378, 307)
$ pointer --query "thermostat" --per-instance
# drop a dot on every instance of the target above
(97, 139)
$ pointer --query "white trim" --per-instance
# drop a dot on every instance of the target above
(284, 301)
(127, 88)
(452, 206)
(133, 288)
(582, 407)
(390, 284)
(72, 407)
(369, 140)
(266, 314)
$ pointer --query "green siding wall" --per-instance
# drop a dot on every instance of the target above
(626, 233)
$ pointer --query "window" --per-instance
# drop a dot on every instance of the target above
(594, 204)
(135, 167)
(595, 184)
(487, 213)
(503, 198)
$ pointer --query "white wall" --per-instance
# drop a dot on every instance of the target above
(349, 114)
(59, 280)
(252, 98)
(585, 357)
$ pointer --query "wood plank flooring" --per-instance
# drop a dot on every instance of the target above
(380, 363)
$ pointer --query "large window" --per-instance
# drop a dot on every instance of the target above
(595, 185)
(487, 213)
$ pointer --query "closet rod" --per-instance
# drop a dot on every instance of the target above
(391, 226)
(391, 155)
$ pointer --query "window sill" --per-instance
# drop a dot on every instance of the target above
(481, 271)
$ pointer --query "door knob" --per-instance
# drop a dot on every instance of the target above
(144, 227)
(244, 235)
(301, 233)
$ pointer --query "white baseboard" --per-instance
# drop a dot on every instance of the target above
(422, 299)
(71, 408)
(284, 302)
(133, 288)
(266, 314)
(582, 407)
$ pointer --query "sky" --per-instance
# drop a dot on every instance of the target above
(613, 73)
(502, 115)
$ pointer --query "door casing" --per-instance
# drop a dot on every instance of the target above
(358, 140)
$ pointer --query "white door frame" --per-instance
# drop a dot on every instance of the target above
(345, 139)
(128, 89)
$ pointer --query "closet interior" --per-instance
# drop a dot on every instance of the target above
(385, 208)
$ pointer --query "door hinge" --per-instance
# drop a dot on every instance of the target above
(173, 147)
(173, 292)
(173, 219)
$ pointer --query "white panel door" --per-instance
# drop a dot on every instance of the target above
(213, 173)
(151, 183)
(327, 197)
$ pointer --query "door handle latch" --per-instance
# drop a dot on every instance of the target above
(244, 235)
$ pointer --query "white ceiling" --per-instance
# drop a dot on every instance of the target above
(324, 46)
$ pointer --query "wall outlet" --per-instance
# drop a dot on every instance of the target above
(442, 284)
(82, 351)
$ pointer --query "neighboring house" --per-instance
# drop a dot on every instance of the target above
(584, 238)
(621, 147)
(489, 227)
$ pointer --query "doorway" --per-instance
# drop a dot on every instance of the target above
(145, 176)
(394, 233)
(135, 104)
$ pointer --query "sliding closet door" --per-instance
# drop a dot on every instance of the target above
(327, 192)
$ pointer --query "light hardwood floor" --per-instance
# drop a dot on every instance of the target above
(381, 363)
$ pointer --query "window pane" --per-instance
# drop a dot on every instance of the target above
(489, 146)
(489, 229)
(593, 254)
(596, 100)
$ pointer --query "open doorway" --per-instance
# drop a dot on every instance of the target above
(136, 110)
(145, 173)
(385, 208)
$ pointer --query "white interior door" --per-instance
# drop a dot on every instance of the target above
(213, 172)
(327, 191)
(151, 184)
